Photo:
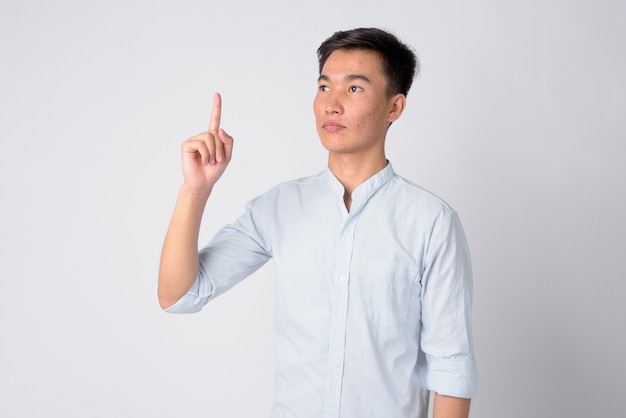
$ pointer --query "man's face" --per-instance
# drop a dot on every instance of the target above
(352, 108)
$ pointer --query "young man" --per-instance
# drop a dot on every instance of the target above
(373, 275)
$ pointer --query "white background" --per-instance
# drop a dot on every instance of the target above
(517, 120)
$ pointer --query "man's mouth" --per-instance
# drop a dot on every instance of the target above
(332, 126)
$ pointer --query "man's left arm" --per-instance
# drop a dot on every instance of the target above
(450, 407)
(446, 332)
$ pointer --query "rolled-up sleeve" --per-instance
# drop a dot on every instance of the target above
(452, 376)
(234, 253)
(195, 298)
(446, 333)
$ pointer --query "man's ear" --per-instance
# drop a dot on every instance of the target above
(397, 105)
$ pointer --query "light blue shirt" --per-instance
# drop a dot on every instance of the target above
(373, 306)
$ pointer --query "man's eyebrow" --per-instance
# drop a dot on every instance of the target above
(322, 77)
(352, 77)
(349, 77)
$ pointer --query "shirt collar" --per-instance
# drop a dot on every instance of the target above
(366, 189)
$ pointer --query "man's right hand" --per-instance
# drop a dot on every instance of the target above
(206, 156)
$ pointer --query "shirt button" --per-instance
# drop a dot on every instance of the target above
(342, 278)
(338, 332)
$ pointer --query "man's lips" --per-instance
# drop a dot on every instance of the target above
(332, 126)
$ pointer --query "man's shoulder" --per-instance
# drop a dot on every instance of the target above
(292, 188)
(296, 184)
(411, 193)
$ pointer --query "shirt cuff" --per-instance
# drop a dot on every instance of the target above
(453, 376)
(195, 298)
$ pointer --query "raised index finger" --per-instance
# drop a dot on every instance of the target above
(216, 113)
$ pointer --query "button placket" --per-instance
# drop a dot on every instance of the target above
(339, 315)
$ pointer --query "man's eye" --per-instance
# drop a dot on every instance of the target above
(323, 88)
(354, 89)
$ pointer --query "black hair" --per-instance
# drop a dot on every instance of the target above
(400, 64)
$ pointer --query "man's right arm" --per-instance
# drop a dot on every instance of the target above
(204, 159)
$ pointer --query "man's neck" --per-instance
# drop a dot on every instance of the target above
(352, 171)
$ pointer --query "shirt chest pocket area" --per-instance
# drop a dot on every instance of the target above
(389, 292)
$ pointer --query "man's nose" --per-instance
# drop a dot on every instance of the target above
(334, 104)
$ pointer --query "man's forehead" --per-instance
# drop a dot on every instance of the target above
(352, 63)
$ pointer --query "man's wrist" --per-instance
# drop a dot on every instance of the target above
(194, 193)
